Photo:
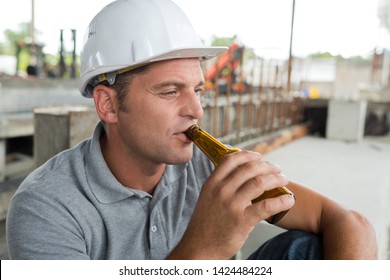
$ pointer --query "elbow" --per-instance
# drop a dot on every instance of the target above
(365, 237)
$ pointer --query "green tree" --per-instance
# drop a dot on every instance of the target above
(12, 37)
(223, 41)
(325, 55)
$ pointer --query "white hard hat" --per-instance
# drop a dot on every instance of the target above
(128, 33)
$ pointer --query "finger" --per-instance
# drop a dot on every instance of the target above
(266, 208)
(263, 167)
(252, 171)
(232, 163)
(257, 186)
(234, 160)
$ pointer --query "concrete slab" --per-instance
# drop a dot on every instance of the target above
(356, 174)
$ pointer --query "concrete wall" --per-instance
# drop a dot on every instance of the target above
(60, 128)
(23, 95)
(350, 78)
(334, 79)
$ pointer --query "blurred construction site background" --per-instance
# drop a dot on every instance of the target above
(255, 98)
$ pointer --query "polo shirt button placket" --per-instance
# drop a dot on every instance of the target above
(153, 229)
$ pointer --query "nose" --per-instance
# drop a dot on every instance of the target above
(192, 106)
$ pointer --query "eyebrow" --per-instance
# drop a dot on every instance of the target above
(177, 84)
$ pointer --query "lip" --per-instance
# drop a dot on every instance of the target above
(183, 137)
(181, 133)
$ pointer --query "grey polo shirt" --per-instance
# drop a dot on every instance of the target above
(72, 207)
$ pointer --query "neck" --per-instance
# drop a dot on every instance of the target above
(130, 171)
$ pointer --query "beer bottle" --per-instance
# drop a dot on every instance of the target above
(215, 151)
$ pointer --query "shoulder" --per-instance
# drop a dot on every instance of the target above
(50, 213)
(56, 174)
(53, 186)
(53, 190)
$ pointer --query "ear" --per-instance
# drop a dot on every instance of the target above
(106, 103)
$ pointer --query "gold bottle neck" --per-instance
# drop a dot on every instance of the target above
(192, 130)
(209, 145)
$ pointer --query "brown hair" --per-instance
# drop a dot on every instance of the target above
(122, 84)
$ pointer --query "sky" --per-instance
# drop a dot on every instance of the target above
(341, 27)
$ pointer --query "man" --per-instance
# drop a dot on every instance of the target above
(139, 189)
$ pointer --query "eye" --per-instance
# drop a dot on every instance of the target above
(199, 91)
(169, 94)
